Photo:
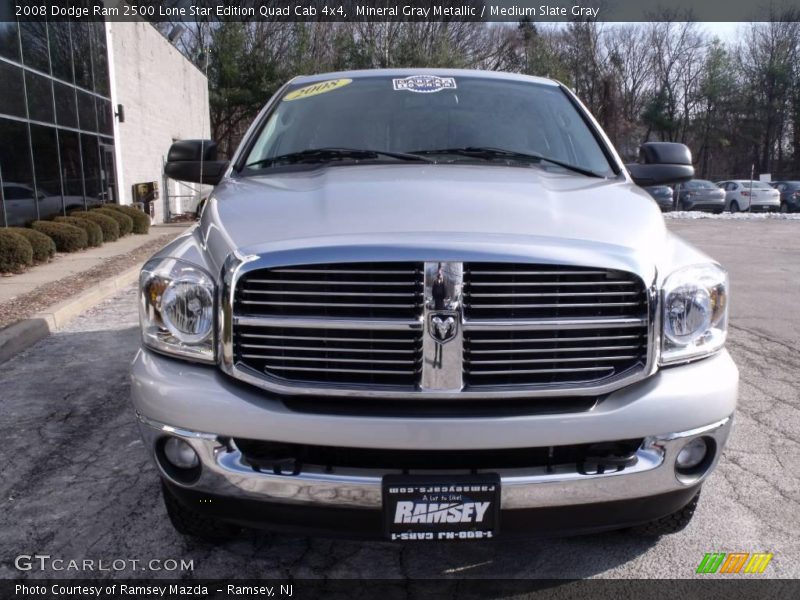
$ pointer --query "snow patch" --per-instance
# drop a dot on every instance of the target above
(725, 216)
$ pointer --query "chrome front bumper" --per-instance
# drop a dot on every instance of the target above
(224, 473)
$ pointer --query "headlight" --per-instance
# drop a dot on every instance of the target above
(695, 313)
(176, 309)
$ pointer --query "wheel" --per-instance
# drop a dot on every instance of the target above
(673, 523)
(734, 206)
(189, 522)
(784, 207)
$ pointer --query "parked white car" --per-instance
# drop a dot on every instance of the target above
(747, 195)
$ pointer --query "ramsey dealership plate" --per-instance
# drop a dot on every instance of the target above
(441, 507)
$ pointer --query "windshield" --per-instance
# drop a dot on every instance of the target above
(426, 116)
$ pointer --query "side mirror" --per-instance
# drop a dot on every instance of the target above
(195, 161)
(661, 163)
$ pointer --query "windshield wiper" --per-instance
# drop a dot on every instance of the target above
(490, 153)
(331, 154)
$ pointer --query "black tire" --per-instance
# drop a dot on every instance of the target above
(784, 207)
(191, 523)
(734, 207)
(673, 523)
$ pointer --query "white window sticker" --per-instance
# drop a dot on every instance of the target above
(424, 84)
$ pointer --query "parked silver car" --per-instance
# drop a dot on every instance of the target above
(431, 305)
(699, 194)
(751, 196)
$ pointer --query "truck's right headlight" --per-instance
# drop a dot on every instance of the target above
(176, 309)
(695, 313)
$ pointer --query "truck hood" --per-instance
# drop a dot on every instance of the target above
(432, 207)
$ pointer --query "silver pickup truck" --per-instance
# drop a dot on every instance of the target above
(431, 305)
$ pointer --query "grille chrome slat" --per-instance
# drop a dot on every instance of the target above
(557, 305)
(556, 339)
(548, 371)
(531, 361)
(550, 324)
(577, 272)
(319, 338)
(318, 349)
(317, 322)
(348, 271)
(323, 359)
(474, 352)
(325, 282)
(364, 371)
(304, 293)
(325, 304)
(552, 294)
(545, 283)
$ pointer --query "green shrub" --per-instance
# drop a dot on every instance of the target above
(43, 247)
(93, 231)
(141, 220)
(108, 225)
(68, 238)
(124, 221)
(16, 252)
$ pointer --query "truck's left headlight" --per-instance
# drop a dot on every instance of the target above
(176, 309)
(694, 313)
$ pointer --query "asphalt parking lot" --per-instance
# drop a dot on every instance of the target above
(77, 483)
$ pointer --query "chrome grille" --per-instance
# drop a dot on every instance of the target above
(331, 324)
(556, 324)
(514, 291)
(331, 355)
(556, 356)
(358, 290)
(364, 330)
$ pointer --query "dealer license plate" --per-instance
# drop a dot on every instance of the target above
(441, 507)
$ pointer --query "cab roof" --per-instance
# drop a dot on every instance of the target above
(365, 73)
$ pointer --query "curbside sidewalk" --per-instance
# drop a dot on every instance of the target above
(25, 333)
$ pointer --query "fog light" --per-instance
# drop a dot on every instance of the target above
(180, 454)
(692, 454)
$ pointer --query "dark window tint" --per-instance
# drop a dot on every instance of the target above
(66, 110)
(45, 161)
(86, 111)
(91, 169)
(100, 59)
(82, 53)
(40, 97)
(9, 40)
(12, 96)
(61, 51)
(71, 170)
(105, 118)
(16, 172)
(108, 169)
(35, 51)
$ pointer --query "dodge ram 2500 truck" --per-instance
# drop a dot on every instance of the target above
(431, 305)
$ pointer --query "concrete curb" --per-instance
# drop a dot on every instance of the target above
(24, 334)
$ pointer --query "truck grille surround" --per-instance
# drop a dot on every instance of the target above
(503, 327)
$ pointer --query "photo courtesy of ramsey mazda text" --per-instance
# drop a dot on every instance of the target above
(431, 304)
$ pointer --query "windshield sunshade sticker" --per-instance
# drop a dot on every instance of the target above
(317, 88)
(424, 84)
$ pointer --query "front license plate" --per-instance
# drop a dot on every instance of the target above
(441, 507)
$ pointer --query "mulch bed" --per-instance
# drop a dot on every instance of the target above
(26, 305)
